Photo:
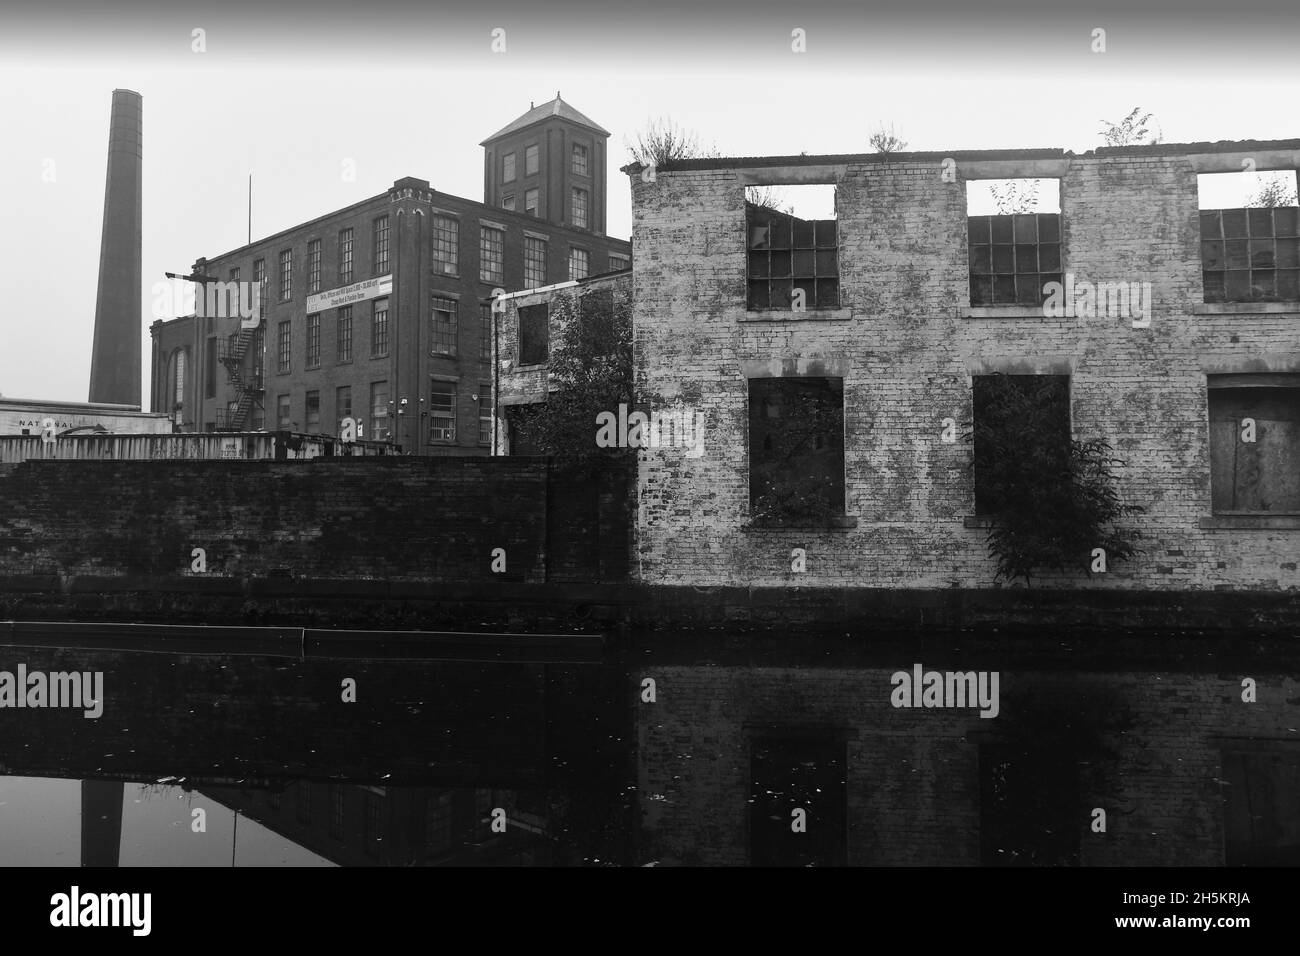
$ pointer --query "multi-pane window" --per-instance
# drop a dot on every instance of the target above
(343, 339)
(282, 414)
(442, 411)
(259, 418)
(485, 415)
(444, 326)
(491, 254)
(446, 245)
(508, 168)
(379, 411)
(343, 402)
(1000, 405)
(530, 160)
(534, 334)
(1254, 443)
(579, 208)
(313, 340)
(580, 159)
(284, 343)
(508, 203)
(380, 245)
(286, 275)
(530, 202)
(313, 266)
(313, 412)
(485, 327)
(345, 256)
(796, 449)
(534, 262)
(259, 354)
(579, 263)
(1251, 255)
(787, 253)
(236, 294)
(210, 368)
(1013, 258)
(379, 328)
(259, 276)
(619, 262)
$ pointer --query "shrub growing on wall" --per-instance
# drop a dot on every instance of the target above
(1052, 499)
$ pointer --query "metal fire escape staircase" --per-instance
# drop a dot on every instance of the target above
(231, 354)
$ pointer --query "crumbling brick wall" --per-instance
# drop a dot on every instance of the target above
(907, 350)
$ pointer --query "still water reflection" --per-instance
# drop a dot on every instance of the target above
(650, 758)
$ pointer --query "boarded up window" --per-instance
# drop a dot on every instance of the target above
(1262, 808)
(796, 448)
(1260, 475)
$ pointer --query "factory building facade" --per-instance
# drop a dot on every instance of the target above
(382, 312)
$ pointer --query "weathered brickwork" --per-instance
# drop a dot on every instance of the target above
(395, 519)
(906, 344)
(913, 775)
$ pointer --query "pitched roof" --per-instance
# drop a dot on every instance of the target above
(556, 107)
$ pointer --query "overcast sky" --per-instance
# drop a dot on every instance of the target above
(291, 94)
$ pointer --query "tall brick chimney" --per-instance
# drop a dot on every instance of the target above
(115, 360)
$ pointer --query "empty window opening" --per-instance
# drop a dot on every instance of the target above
(793, 244)
(796, 449)
(1021, 422)
(534, 340)
(797, 781)
(1014, 232)
(1028, 806)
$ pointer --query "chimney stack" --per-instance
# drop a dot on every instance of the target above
(115, 359)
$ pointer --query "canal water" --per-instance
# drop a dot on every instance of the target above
(943, 753)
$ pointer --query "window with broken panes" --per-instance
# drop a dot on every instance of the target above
(1012, 258)
(787, 253)
(1251, 255)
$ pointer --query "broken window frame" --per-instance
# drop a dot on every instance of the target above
(1012, 257)
(1258, 262)
(781, 257)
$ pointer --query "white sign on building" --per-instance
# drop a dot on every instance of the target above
(346, 295)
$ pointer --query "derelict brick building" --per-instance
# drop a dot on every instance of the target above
(910, 303)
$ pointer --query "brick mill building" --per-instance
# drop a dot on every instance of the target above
(381, 311)
(910, 303)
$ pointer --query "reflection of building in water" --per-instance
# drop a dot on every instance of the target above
(101, 822)
(355, 825)
(1186, 772)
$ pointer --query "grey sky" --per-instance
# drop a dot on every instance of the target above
(411, 90)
